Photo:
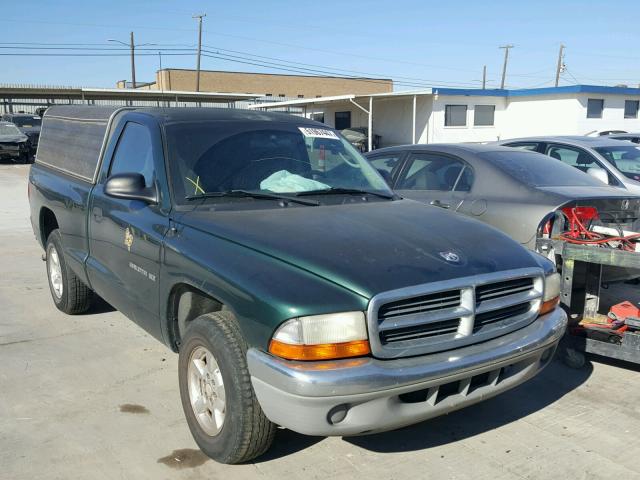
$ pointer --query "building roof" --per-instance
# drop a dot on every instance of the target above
(119, 94)
(475, 92)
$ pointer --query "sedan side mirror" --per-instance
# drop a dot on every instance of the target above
(130, 186)
(599, 173)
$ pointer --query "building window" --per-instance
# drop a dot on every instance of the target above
(300, 96)
(318, 117)
(483, 115)
(455, 115)
(343, 120)
(631, 108)
(281, 95)
(595, 107)
(269, 95)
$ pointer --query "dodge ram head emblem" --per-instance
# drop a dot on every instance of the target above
(450, 256)
(128, 238)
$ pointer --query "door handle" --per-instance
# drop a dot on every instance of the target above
(438, 203)
(97, 214)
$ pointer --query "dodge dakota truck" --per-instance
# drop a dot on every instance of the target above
(297, 288)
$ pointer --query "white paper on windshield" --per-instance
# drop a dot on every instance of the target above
(318, 133)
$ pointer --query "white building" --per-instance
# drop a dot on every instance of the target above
(475, 115)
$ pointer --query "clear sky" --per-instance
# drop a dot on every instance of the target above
(419, 43)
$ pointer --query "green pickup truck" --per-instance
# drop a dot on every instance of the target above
(296, 287)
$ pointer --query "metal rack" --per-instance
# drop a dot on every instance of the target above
(594, 259)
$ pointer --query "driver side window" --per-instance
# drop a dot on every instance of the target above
(577, 158)
(437, 172)
(134, 153)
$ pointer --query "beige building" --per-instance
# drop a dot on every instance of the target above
(274, 85)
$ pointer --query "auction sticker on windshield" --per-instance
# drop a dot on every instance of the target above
(318, 133)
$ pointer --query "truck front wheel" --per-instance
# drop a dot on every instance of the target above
(219, 403)
(69, 294)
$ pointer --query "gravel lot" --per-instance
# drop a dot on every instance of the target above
(93, 396)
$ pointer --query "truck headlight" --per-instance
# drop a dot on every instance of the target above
(322, 337)
(551, 297)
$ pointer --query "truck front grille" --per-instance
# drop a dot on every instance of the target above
(446, 315)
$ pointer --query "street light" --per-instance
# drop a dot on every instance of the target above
(132, 46)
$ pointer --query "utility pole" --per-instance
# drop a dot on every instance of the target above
(560, 66)
(199, 17)
(132, 47)
(484, 77)
(133, 62)
(504, 66)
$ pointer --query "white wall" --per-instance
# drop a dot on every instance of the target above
(439, 133)
(540, 115)
(612, 115)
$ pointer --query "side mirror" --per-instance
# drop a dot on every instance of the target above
(599, 173)
(130, 186)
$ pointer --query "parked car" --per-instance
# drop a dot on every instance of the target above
(629, 137)
(28, 124)
(40, 111)
(603, 133)
(614, 162)
(297, 288)
(14, 145)
(519, 192)
(359, 138)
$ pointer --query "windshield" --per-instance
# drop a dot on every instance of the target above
(264, 157)
(26, 121)
(537, 170)
(9, 130)
(626, 158)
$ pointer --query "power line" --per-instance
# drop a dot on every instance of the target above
(280, 64)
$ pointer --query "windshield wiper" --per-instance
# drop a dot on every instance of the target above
(339, 190)
(250, 194)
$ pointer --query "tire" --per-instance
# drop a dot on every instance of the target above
(573, 358)
(244, 432)
(69, 294)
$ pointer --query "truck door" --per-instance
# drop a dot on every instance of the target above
(126, 236)
(431, 178)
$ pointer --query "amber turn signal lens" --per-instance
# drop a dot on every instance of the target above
(326, 351)
(549, 305)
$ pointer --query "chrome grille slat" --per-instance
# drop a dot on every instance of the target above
(444, 301)
(424, 318)
(453, 313)
(505, 301)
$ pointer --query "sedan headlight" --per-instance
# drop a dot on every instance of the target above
(551, 297)
(322, 337)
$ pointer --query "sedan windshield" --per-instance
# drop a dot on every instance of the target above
(214, 158)
(9, 130)
(626, 158)
(537, 170)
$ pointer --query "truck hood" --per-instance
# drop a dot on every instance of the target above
(369, 247)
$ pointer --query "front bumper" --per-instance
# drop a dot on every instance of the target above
(366, 395)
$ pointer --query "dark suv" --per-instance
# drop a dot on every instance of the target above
(28, 124)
